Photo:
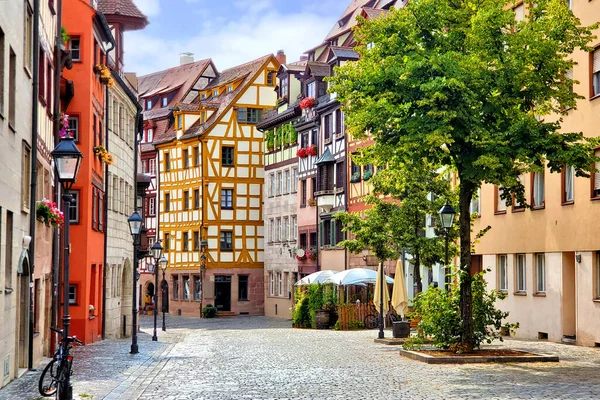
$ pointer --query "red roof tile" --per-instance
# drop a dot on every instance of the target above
(123, 8)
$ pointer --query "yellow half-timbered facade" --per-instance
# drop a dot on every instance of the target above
(210, 193)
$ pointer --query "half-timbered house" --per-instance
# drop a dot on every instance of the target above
(211, 177)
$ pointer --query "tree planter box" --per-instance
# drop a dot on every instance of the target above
(479, 356)
(401, 329)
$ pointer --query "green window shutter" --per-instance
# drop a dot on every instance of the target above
(321, 233)
(332, 241)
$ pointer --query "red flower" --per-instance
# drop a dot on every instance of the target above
(307, 102)
(302, 153)
(311, 150)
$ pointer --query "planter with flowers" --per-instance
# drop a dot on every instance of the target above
(91, 310)
(105, 76)
(311, 254)
(103, 155)
(355, 177)
(311, 150)
(302, 153)
(367, 175)
(47, 212)
(64, 126)
(307, 102)
(301, 254)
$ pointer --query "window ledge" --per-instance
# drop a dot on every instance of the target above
(534, 208)
(500, 212)
(503, 291)
(595, 198)
(92, 317)
(518, 210)
(568, 203)
(594, 97)
(27, 72)
(11, 127)
(520, 293)
(596, 300)
(541, 294)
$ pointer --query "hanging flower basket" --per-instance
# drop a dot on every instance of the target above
(105, 76)
(302, 153)
(307, 102)
(47, 212)
(103, 155)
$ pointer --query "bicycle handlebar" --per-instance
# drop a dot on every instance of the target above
(70, 338)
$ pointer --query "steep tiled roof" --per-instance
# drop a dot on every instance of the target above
(344, 52)
(318, 68)
(296, 66)
(177, 79)
(235, 73)
(373, 13)
(130, 16)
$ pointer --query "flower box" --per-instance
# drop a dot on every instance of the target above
(307, 102)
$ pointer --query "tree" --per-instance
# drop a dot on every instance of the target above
(461, 83)
(398, 222)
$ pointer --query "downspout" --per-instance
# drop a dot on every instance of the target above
(105, 202)
(105, 212)
(33, 183)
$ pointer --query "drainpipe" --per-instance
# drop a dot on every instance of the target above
(105, 212)
(33, 183)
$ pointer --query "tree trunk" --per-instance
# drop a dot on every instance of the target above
(417, 273)
(466, 295)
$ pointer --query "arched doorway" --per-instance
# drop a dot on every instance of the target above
(148, 295)
(126, 298)
(23, 294)
(165, 296)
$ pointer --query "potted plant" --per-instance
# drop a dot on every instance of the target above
(64, 126)
(103, 155)
(105, 76)
(47, 212)
(367, 175)
(209, 311)
(307, 102)
(91, 310)
(355, 177)
(311, 150)
(302, 153)
(311, 254)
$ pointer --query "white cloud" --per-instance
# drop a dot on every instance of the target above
(230, 42)
(149, 7)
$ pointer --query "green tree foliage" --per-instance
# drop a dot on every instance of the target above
(460, 83)
(439, 314)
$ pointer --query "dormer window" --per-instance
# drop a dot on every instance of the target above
(271, 78)
(283, 87)
(203, 117)
(229, 89)
(216, 93)
(150, 134)
(179, 121)
(164, 102)
(148, 104)
(203, 96)
(311, 89)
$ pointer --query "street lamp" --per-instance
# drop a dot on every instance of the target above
(135, 226)
(163, 265)
(67, 160)
(157, 251)
(203, 260)
(447, 214)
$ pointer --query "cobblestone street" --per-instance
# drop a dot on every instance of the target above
(263, 358)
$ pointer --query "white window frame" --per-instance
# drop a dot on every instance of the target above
(280, 283)
(271, 284)
(286, 228)
(294, 184)
(539, 195)
(597, 280)
(475, 207)
(288, 182)
(540, 273)
(295, 227)
(501, 203)
(521, 272)
(503, 272)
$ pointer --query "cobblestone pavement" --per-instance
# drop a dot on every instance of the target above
(263, 358)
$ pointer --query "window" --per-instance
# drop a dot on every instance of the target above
(568, 195)
(538, 195)
(227, 199)
(313, 187)
(165, 101)
(179, 121)
(314, 137)
(540, 273)
(196, 199)
(303, 193)
(519, 12)
(28, 48)
(502, 273)
(175, 287)
(227, 156)
(226, 240)
(597, 289)
(167, 244)
(328, 126)
(229, 88)
(294, 184)
(288, 183)
(475, 207)
(311, 89)
(74, 127)
(12, 89)
(500, 202)
(216, 93)
(286, 229)
(283, 87)
(186, 158)
(197, 287)
(167, 202)
(74, 207)
(279, 183)
(100, 210)
(243, 287)
(167, 162)
(186, 200)
(8, 258)
(152, 167)
(249, 115)
(294, 227)
(196, 156)
(2, 71)
(338, 121)
(271, 185)
(25, 175)
(278, 230)
(355, 173)
(304, 139)
(186, 241)
(73, 294)
(303, 240)
(595, 176)
(94, 208)
(271, 284)
(152, 206)
(196, 241)
(271, 230)
(521, 273)
(279, 284)
(596, 72)
(148, 104)
(186, 287)
(75, 47)
(270, 78)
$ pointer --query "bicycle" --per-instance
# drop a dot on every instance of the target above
(371, 320)
(54, 378)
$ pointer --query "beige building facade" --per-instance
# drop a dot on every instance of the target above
(547, 258)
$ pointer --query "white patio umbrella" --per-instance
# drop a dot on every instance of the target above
(381, 293)
(356, 276)
(316, 277)
(399, 298)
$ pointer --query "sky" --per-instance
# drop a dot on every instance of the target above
(231, 32)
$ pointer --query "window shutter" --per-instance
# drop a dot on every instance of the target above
(596, 61)
(321, 233)
(332, 241)
(241, 114)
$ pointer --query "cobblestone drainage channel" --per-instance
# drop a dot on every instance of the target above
(434, 357)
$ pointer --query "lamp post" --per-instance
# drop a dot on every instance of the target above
(163, 265)
(67, 160)
(447, 214)
(135, 226)
(157, 254)
(203, 259)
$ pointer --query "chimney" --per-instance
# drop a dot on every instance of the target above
(281, 57)
(304, 58)
(186, 58)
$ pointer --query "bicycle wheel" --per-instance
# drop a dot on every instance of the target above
(371, 321)
(48, 383)
(65, 390)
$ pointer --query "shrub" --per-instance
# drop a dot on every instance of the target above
(301, 313)
(439, 313)
(209, 311)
